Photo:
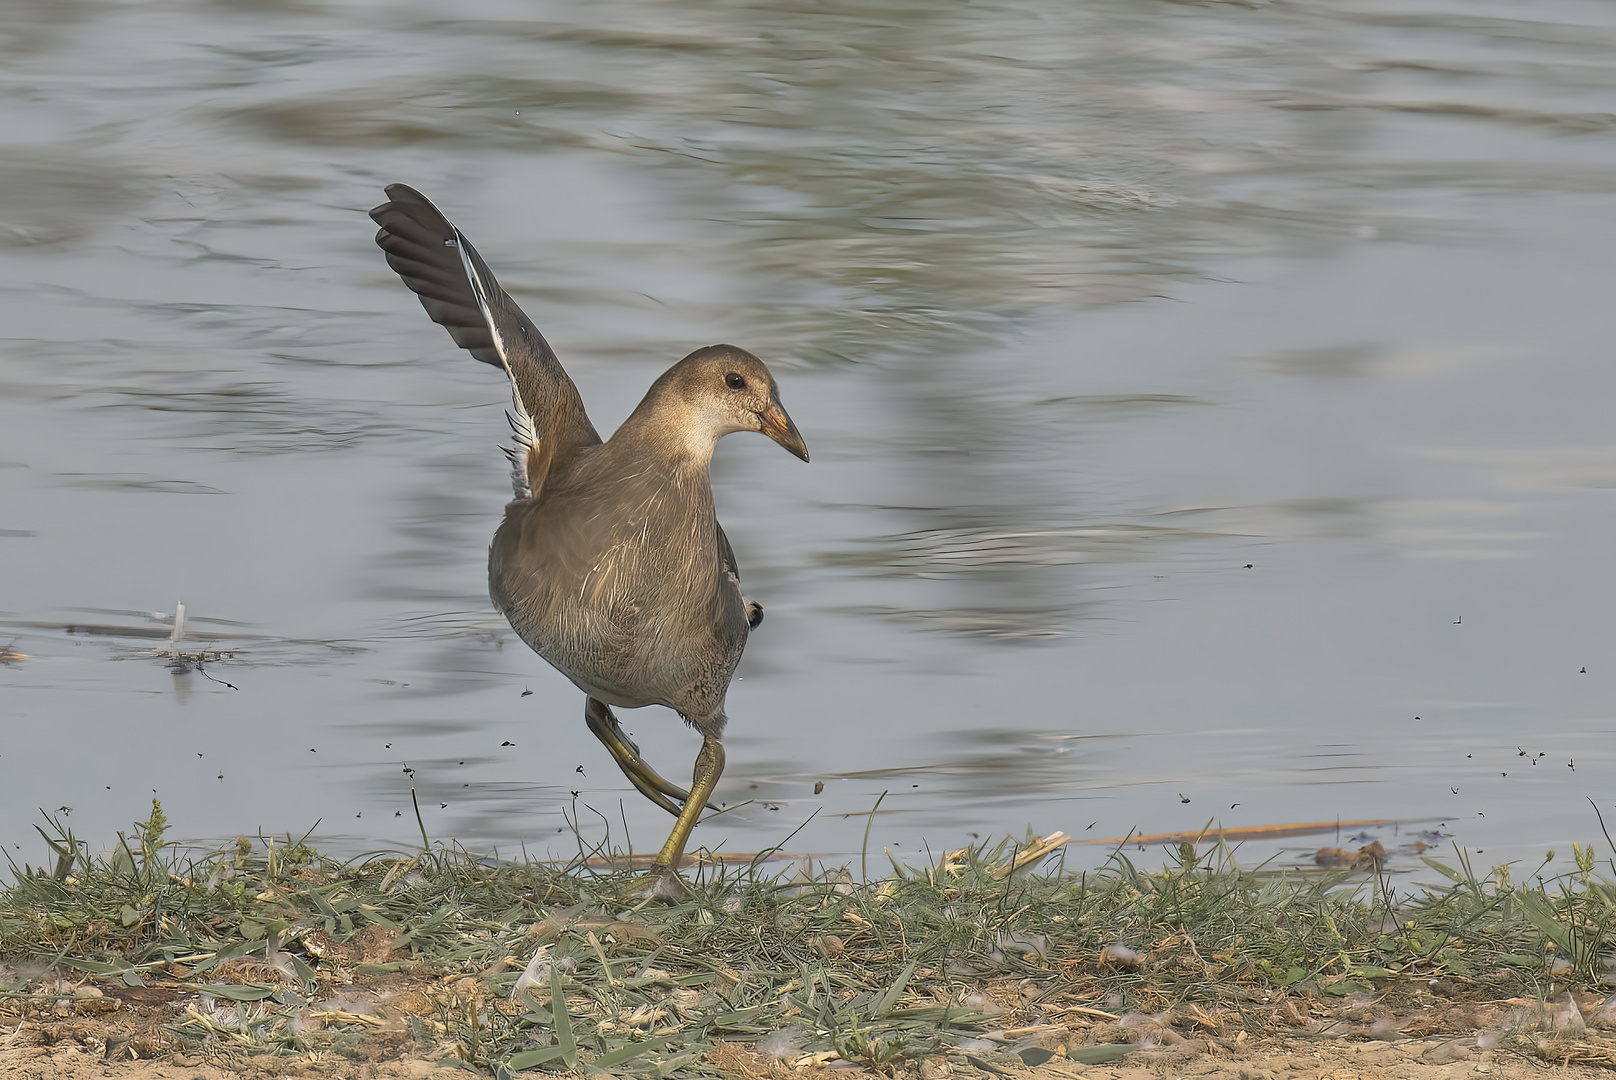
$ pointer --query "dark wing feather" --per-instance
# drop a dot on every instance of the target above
(726, 553)
(460, 293)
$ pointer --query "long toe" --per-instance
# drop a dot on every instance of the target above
(661, 885)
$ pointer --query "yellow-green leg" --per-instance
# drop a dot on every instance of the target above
(663, 880)
(651, 784)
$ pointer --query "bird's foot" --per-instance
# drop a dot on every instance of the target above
(662, 884)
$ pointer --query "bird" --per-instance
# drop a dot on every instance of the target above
(610, 562)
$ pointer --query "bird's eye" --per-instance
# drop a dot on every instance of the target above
(734, 381)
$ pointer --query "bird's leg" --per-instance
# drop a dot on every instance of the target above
(663, 880)
(709, 766)
(604, 724)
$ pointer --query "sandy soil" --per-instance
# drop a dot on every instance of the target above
(380, 1028)
(1264, 1060)
(79, 1053)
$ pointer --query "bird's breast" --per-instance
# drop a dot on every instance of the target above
(634, 609)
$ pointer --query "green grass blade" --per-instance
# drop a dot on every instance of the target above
(1543, 918)
(628, 1053)
(563, 1022)
(240, 991)
(527, 1059)
(1446, 871)
(889, 997)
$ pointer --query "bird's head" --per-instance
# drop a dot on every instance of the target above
(720, 389)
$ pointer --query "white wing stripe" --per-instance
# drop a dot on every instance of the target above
(521, 421)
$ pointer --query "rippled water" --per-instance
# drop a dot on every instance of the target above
(1210, 408)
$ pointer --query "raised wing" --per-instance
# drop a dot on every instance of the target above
(460, 294)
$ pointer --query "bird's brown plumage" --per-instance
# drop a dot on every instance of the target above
(611, 564)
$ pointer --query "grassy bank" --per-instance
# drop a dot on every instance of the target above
(269, 946)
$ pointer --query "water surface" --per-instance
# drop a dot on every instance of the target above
(1210, 410)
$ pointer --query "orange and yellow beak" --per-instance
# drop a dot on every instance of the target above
(774, 423)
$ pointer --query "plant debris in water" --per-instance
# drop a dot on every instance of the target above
(503, 967)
